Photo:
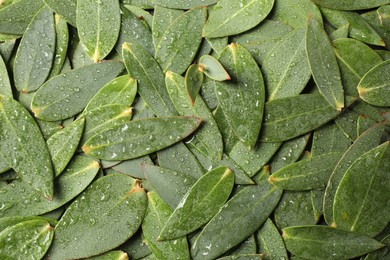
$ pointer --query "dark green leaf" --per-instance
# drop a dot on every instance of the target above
(179, 4)
(61, 47)
(194, 81)
(351, 5)
(65, 8)
(294, 12)
(270, 243)
(5, 85)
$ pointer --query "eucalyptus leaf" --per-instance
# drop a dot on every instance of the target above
(294, 12)
(139, 137)
(328, 139)
(67, 94)
(230, 17)
(322, 242)
(178, 4)
(65, 8)
(356, 203)
(348, 5)
(193, 81)
(199, 204)
(213, 69)
(85, 228)
(98, 23)
(270, 243)
(61, 47)
(23, 146)
(11, 221)
(384, 16)
(323, 64)
(111, 255)
(5, 84)
(34, 58)
(374, 87)
(245, 90)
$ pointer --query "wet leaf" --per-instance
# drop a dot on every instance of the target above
(11, 221)
(178, 42)
(61, 47)
(294, 12)
(142, 67)
(23, 146)
(139, 137)
(65, 8)
(355, 60)
(367, 141)
(67, 94)
(16, 17)
(111, 255)
(322, 242)
(229, 137)
(270, 243)
(245, 90)
(348, 5)
(374, 87)
(286, 69)
(328, 139)
(136, 247)
(213, 69)
(170, 185)
(178, 4)
(85, 230)
(359, 28)
(63, 144)
(340, 33)
(287, 118)
(29, 239)
(384, 16)
(17, 197)
(199, 204)
(361, 201)
(5, 85)
(193, 81)
(247, 247)
(323, 64)
(208, 137)
(307, 174)
(35, 54)
(229, 17)
(156, 216)
(98, 23)
(253, 204)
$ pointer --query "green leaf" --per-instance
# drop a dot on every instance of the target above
(16, 17)
(242, 98)
(213, 69)
(63, 144)
(247, 247)
(87, 225)
(19, 199)
(136, 30)
(286, 69)
(23, 146)
(307, 174)
(374, 87)
(98, 23)
(351, 5)
(340, 33)
(67, 94)
(323, 64)
(170, 185)
(104, 118)
(139, 137)
(384, 16)
(132, 167)
(179, 4)
(179, 40)
(26, 240)
(367, 141)
(287, 118)
(355, 60)
(5, 85)
(294, 12)
(11, 221)
(151, 83)
(6, 49)
(270, 243)
(229, 17)
(382, 253)
(322, 242)
(193, 81)
(156, 216)
(208, 138)
(121, 90)
(358, 27)
(65, 8)
(328, 139)
(61, 47)
(229, 137)
(199, 204)
(111, 255)
(253, 205)
(35, 54)
(136, 247)
(162, 18)
(361, 201)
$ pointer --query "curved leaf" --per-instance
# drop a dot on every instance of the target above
(294, 12)
(351, 5)
(5, 85)
(61, 47)
(65, 8)
(193, 81)
(213, 69)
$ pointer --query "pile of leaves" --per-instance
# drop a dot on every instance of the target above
(194, 129)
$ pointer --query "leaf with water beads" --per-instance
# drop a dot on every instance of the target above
(87, 225)
(34, 58)
(374, 87)
(5, 85)
(322, 242)
(193, 81)
(61, 47)
(28, 239)
(213, 69)
(139, 137)
(98, 23)
(65, 8)
(199, 204)
(323, 64)
(179, 4)
(67, 94)
(111, 255)
(351, 5)
(384, 16)
(270, 242)
(23, 146)
(229, 17)
(17, 196)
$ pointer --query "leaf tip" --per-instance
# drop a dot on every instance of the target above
(86, 149)
(36, 111)
(272, 179)
(125, 46)
(169, 74)
(333, 225)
